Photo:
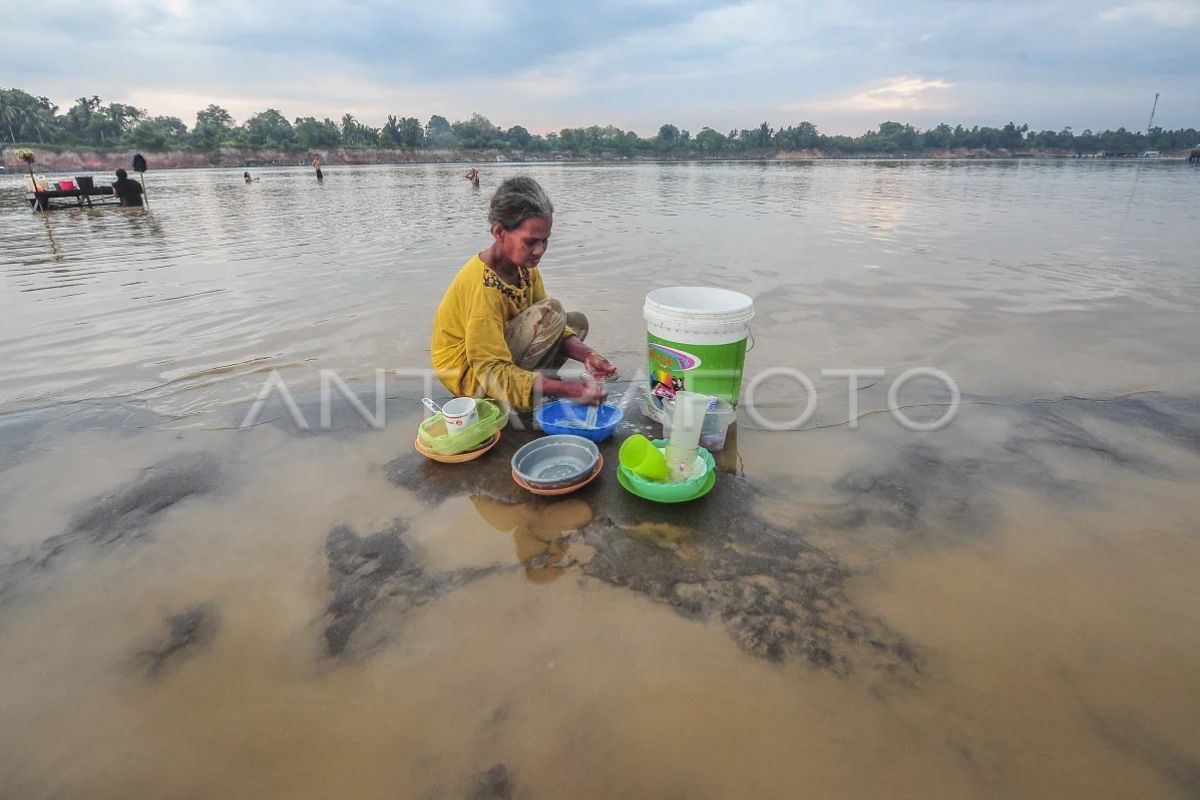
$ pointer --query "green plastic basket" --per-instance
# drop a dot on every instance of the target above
(434, 437)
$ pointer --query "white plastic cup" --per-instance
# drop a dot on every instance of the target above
(687, 420)
(717, 419)
(460, 413)
(716, 424)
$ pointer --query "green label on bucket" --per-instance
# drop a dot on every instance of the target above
(673, 360)
(711, 369)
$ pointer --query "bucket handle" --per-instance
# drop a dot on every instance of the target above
(432, 406)
(751, 347)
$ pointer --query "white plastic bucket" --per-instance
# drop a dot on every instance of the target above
(698, 315)
(696, 341)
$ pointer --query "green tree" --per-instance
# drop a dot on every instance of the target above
(437, 132)
(841, 144)
(267, 129)
(476, 132)
(11, 114)
(81, 120)
(894, 137)
(412, 134)
(27, 118)
(402, 132)
(91, 122)
(214, 127)
(390, 132)
(1012, 137)
(356, 134)
(1121, 141)
(764, 136)
(939, 138)
(709, 141)
(519, 137)
(568, 141)
(118, 120)
(668, 137)
(159, 133)
(310, 134)
(800, 137)
(630, 143)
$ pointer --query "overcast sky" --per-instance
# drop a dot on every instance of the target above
(633, 63)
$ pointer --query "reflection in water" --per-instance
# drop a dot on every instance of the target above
(55, 253)
(660, 534)
(539, 533)
(960, 247)
(1003, 608)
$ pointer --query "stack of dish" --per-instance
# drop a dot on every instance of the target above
(557, 464)
(643, 472)
(457, 458)
(435, 441)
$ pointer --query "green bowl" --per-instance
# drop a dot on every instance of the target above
(709, 481)
(665, 492)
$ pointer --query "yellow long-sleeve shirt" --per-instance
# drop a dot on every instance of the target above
(470, 354)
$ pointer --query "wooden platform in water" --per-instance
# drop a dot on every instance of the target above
(50, 199)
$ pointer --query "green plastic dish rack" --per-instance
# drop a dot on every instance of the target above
(434, 437)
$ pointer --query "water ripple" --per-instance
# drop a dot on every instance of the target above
(287, 273)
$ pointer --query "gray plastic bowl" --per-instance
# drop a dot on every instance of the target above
(555, 462)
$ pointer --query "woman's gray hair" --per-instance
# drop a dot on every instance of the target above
(517, 200)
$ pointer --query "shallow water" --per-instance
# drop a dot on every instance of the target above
(1004, 607)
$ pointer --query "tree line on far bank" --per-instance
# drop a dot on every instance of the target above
(27, 119)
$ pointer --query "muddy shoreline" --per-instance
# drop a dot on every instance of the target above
(66, 159)
(713, 561)
(755, 560)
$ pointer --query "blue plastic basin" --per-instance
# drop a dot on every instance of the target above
(564, 417)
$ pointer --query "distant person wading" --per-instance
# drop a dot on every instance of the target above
(316, 164)
(128, 192)
(497, 333)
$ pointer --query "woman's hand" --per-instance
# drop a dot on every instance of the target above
(596, 365)
(599, 367)
(591, 394)
(581, 392)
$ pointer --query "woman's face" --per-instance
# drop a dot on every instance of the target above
(525, 245)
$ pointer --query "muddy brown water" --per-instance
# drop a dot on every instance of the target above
(1006, 607)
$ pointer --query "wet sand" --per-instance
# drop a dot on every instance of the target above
(937, 624)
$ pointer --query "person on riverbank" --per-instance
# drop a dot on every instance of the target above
(316, 164)
(496, 332)
(128, 192)
(473, 176)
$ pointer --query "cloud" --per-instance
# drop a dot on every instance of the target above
(547, 83)
(1169, 13)
(894, 94)
(633, 63)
